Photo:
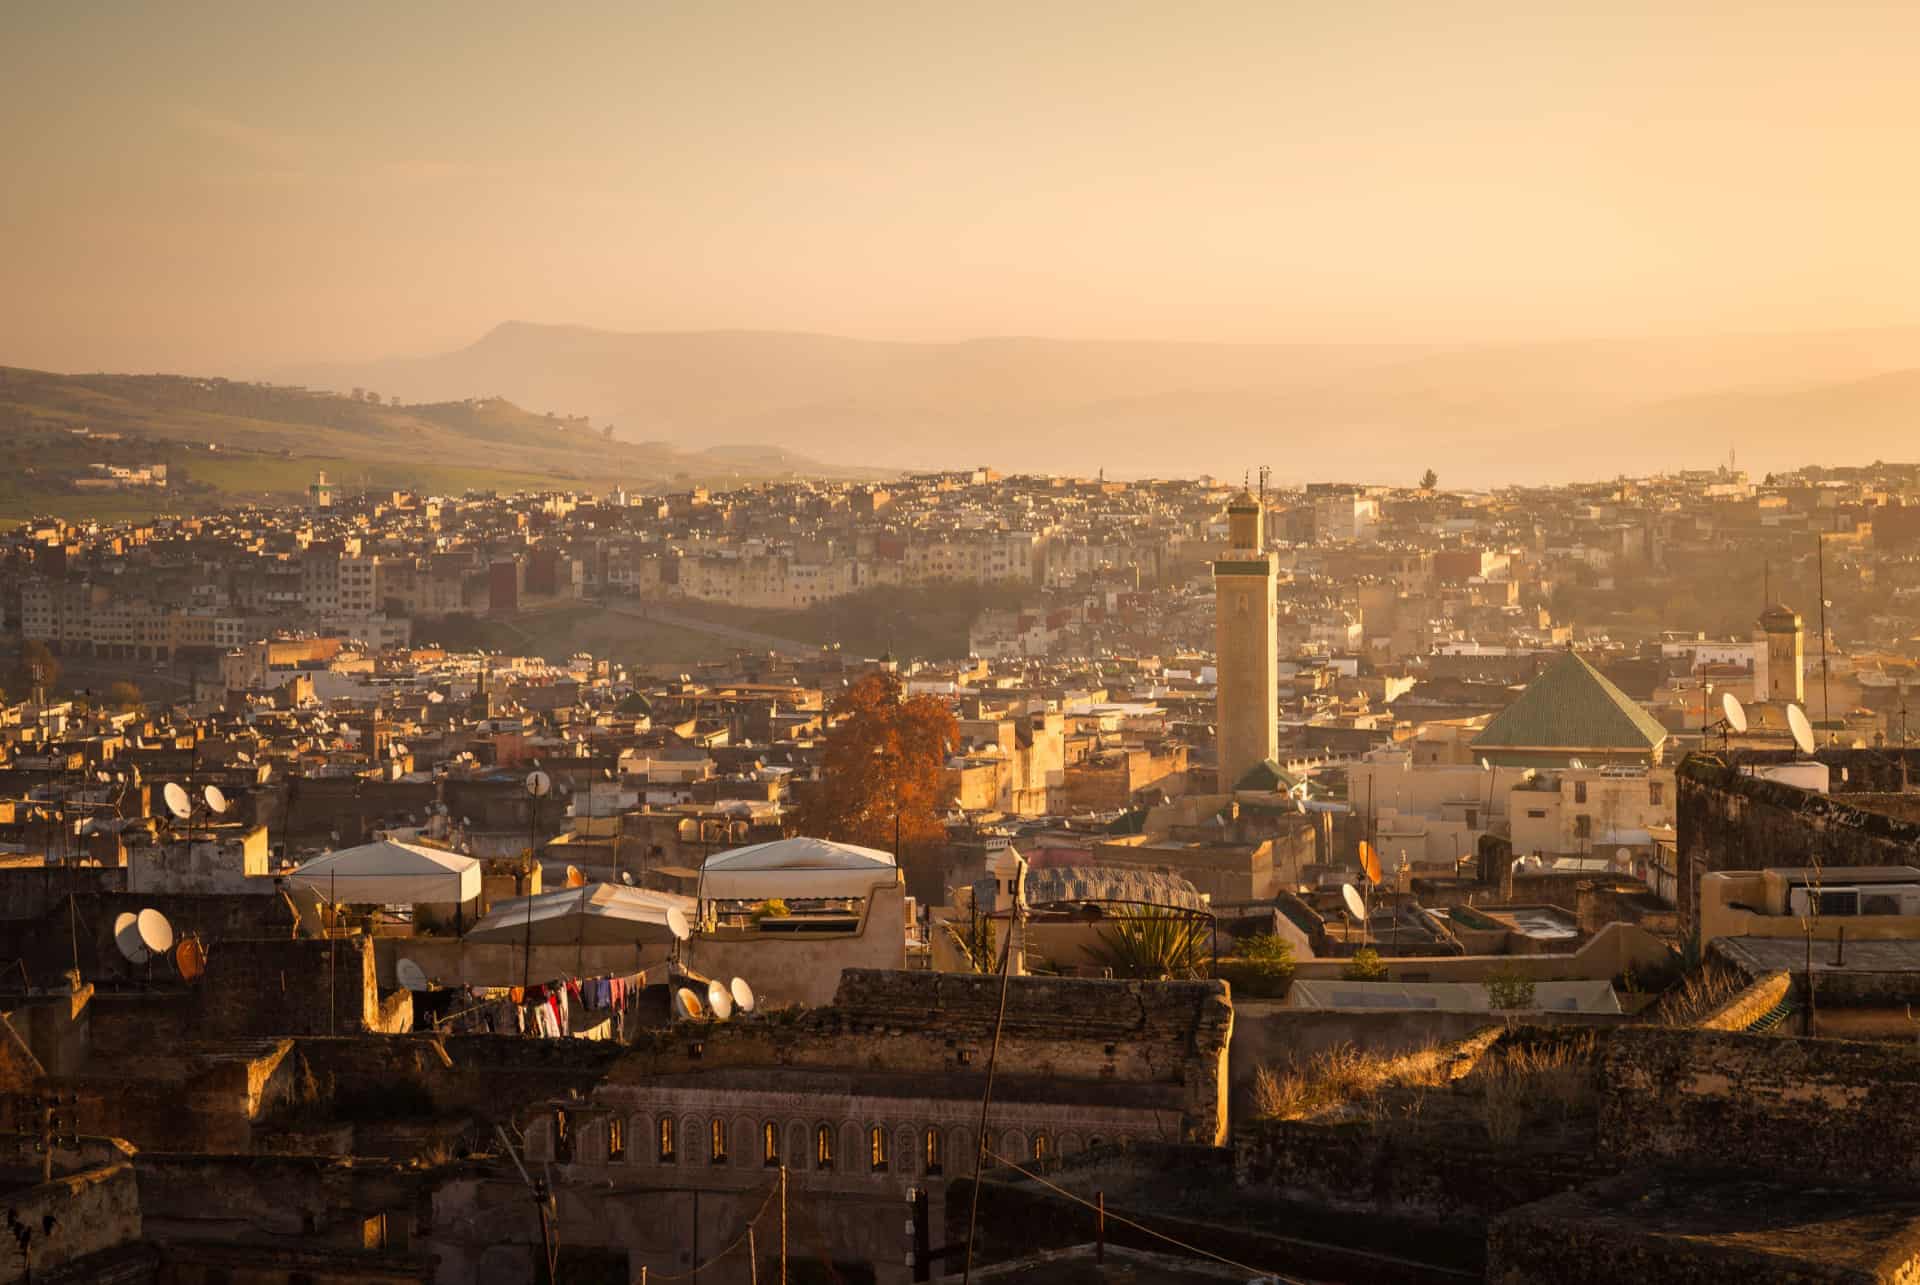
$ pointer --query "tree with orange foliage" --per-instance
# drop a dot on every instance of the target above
(881, 776)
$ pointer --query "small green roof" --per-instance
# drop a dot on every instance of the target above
(1267, 775)
(1570, 705)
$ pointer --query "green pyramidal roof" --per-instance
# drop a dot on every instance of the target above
(1570, 705)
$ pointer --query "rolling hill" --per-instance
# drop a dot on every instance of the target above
(268, 440)
(1478, 414)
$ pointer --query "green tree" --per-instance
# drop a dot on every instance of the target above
(1262, 966)
(1429, 480)
(1509, 990)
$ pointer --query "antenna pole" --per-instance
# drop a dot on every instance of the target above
(783, 1225)
(333, 944)
(1820, 544)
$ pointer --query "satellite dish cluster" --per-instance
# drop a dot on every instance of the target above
(145, 936)
(722, 1001)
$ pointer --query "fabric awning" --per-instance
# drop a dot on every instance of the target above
(599, 914)
(390, 873)
(796, 868)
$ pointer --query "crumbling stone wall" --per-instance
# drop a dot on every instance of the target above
(1818, 1109)
(1750, 1004)
(275, 988)
(1728, 820)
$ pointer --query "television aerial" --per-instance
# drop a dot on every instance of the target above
(410, 976)
(1734, 711)
(719, 1000)
(686, 1005)
(216, 800)
(177, 801)
(156, 934)
(539, 784)
(126, 936)
(1802, 730)
(743, 998)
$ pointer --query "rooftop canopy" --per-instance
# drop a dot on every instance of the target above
(796, 868)
(389, 873)
(599, 914)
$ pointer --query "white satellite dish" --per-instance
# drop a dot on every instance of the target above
(126, 936)
(742, 994)
(216, 800)
(1735, 712)
(677, 923)
(1356, 906)
(539, 784)
(156, 934)
(1575, 764)
(177, 801)
(626, 877)
(1802, 730)
(687, 1005)
(1484, 765)
(719, 1000)
(409, 975)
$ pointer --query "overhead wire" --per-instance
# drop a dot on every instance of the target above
(1157, 1235)
(734, 1244)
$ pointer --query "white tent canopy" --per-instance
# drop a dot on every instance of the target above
(1447, 997)
(388, 873)
(599, 914)
(796, 868)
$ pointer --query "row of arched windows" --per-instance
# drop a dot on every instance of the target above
(821, 1145)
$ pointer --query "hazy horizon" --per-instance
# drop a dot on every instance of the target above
(252, 188)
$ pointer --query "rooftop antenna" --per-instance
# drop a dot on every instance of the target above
(1820, 543)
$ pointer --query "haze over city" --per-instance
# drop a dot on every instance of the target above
(270, 193)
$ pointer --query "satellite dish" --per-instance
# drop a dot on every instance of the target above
(177, 801)
(687, 1005)
(216, 800)
(190, 959)
(1575, 764)
(409, 975)
(156, 934)
(1735, 712)
(742, 994)
(1484, 765)
(719, 1000)
(539, 784)
(126, 936)
(575, 877)
(626, 877)
(677, 923)
(1355, 905)
(1801, 728)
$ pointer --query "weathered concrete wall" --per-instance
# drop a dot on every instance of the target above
(93, 1203)
(1361, 1169)
(449, 961)
(1727, 820)
(1612, 951)
(1819, 1109)
(278, 988)
(48, 944)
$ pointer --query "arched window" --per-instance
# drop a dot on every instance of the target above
(770, 1145)
(717, 1141)
(823, 1147)
(936, 1152)
(616, 1138)
(877, 1148)
(666, 1139)
(1039, 1146)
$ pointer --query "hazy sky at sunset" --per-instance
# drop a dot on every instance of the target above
(225, 186)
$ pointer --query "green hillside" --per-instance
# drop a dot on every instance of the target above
(226, 441)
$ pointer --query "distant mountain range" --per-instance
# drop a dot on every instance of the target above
(1476, 414)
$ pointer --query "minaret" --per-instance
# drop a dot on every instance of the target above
(1243, 585)
(1780, 674)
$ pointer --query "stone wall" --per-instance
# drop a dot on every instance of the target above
(47, 945)
(1728, 820)
(93, 1205)
(278, 988)
(1818, 1109)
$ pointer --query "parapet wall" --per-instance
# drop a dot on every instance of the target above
(1829, 1110)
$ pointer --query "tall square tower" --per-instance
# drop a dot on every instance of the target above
(1247, 728)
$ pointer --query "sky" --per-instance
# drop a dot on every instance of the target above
(226, 187)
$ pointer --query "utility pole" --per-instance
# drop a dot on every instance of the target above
(1820, 543)
(783, 1225)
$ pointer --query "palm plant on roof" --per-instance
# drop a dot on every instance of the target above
(1154, 944)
